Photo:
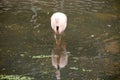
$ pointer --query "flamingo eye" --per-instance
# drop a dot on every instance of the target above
(57, 28)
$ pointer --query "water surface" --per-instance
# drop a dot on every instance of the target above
(92, 39)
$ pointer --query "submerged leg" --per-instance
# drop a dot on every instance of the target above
(55, 36)
(58, 38)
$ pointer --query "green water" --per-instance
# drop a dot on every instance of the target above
(92, 39)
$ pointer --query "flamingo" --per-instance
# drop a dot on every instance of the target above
(58, 23)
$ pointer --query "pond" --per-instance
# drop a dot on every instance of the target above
(92, 39)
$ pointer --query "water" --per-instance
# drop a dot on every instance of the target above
(92, 39)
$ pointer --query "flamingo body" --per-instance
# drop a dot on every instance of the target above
(58, 22)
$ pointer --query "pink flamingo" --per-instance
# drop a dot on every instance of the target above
(58, 23)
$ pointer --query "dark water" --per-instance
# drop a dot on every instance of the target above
(92, 39)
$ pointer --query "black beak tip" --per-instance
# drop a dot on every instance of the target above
(57, 28)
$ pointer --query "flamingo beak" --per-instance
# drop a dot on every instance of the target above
(57, 29)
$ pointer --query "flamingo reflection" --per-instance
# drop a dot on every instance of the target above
(59, 57)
